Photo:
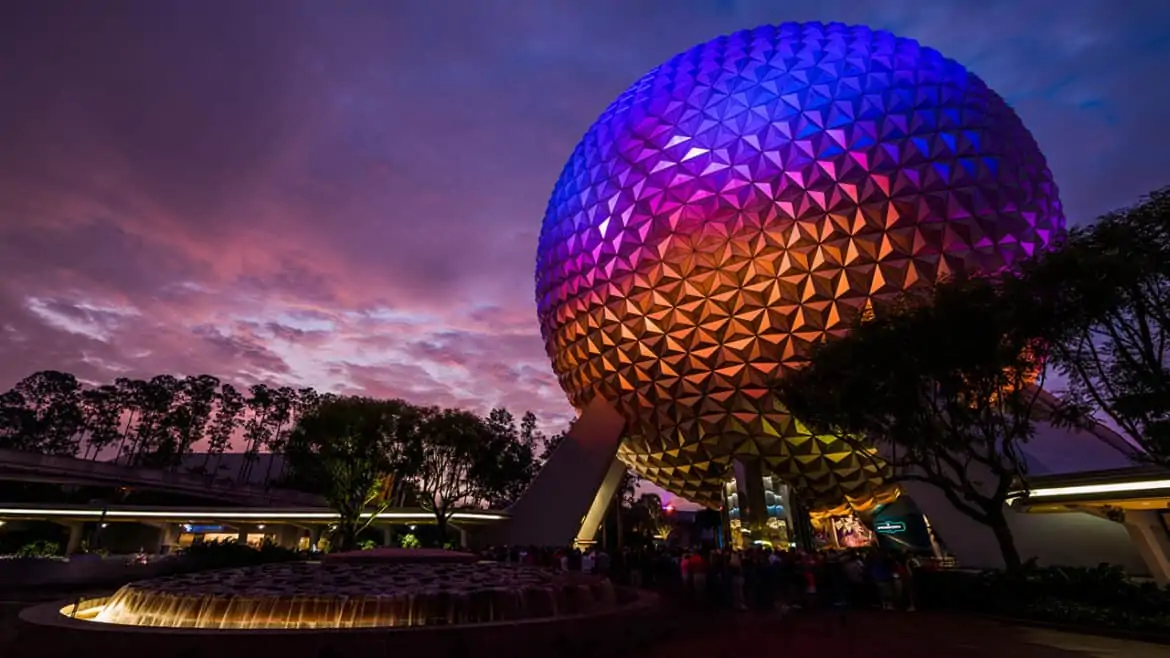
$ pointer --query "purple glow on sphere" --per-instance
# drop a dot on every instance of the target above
(753, 194)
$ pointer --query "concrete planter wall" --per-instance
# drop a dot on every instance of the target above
(18, 573)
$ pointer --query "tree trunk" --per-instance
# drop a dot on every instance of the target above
(271, 457)
(346, 535)
(1003, 536)
(441, 527)
(620, 530)
(125, 435)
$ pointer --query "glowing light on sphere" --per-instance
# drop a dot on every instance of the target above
(751, 195)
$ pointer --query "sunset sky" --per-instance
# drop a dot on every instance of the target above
(347, 194)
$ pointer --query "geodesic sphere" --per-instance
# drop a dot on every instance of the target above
(750, 196)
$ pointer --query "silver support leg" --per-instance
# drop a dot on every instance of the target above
(551, 511)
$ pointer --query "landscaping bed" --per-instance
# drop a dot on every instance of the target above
(1101, 599)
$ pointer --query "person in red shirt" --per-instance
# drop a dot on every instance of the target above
(698, 570)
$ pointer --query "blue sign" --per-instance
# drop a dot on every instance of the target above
(201, 529)
(890, 527)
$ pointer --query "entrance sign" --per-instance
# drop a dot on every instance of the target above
(890, 527)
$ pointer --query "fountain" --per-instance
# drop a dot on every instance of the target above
(351, 595)
(439, 602)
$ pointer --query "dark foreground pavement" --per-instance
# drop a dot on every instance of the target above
(874, 634)
(864, 634)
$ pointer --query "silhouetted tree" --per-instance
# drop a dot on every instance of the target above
(513, 463)
(48, 418)
(550, 444)
(101, 411)
(530, 434)
(256, 427)
(229, 407)
(12, 420)
(154, 438)
(191, 413)
(280, 417)
(131, 393)
(1106, 292)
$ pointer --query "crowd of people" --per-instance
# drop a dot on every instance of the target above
(758, 578)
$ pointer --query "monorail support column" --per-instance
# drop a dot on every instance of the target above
(76, 534)
(1149, 536)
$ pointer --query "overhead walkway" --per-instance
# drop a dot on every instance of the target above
(57, 469)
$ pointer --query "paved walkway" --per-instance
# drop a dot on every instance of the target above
(880, 635)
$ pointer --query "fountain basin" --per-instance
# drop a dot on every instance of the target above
(350, 594)
(401, 555)
(320, 609)
(46, 633)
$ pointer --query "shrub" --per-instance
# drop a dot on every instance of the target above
(227, 554)
(39, 549)
(1101, 596)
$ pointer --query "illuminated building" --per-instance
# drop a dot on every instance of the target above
(750, 197)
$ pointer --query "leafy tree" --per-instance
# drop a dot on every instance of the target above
(551, 443)
(647, 518)
(304, 400)
(154, 438)
(256, 427)
(359, 448)
(192, 413)
(530, 433)
(1106, 294)
(944, 384)
(12, 420)
(101, 413)
(131, 394)
(511, 463)
(48, 418)
(284, 404)
(458, 468)
(228, 409)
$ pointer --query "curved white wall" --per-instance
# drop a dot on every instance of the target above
(1059, 451)
(1071, 539)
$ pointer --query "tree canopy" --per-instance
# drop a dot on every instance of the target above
(1105, 293)
(355, 446)
(937, 387)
